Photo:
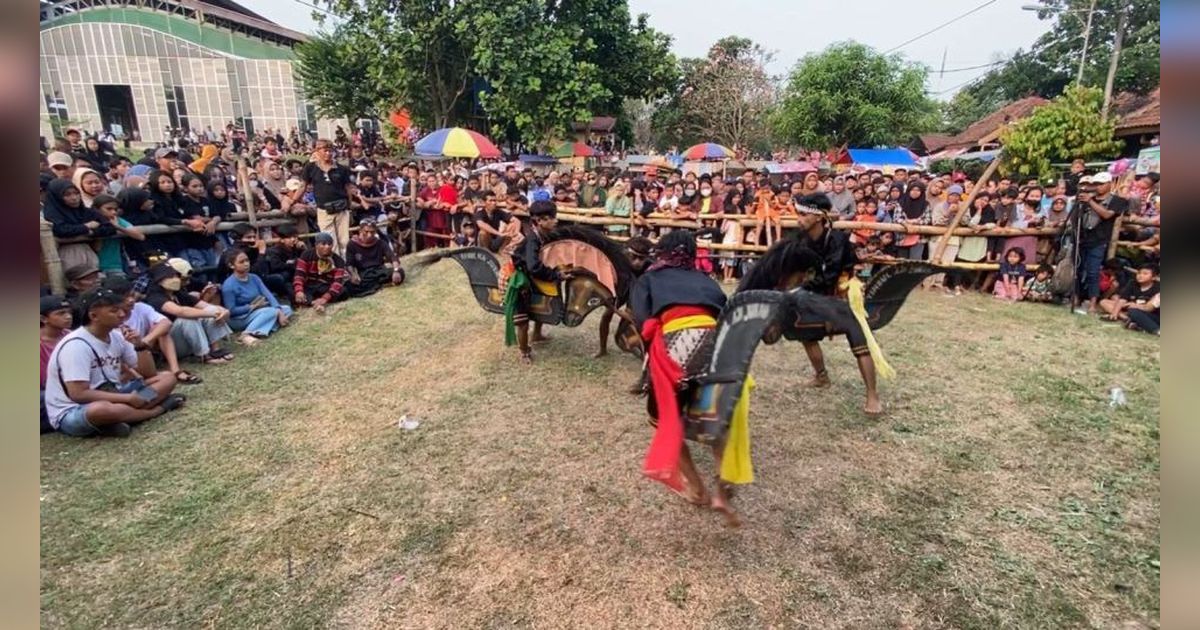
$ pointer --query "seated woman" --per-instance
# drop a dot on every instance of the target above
(196, 326)
(373, 262)
(253, 309)
(320, 275)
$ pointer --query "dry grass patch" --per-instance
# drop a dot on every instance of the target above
(999, 490)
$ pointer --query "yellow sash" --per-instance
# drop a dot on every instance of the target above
(691, 321)
(546, 288)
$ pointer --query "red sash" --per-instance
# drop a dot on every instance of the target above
(662, 460)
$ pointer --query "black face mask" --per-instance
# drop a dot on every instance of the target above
(1033, 202)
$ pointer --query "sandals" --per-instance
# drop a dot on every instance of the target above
(221, 353)
(173, 402)
(213, 359)
(184, 377)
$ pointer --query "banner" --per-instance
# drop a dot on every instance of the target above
(1147, 161)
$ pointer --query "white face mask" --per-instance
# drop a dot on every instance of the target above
(704, 192)
(689, 191)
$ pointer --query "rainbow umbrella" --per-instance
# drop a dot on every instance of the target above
(456, 142)
(574, 149)
(707, 151)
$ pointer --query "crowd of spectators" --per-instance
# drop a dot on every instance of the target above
(142, 297)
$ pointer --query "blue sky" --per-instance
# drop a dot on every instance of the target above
(793, 28)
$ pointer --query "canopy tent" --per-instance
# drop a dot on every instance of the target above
(532, 160)
(885, 160)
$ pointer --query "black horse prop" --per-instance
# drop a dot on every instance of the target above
(569, 302)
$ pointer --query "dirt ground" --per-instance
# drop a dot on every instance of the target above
(999, 490)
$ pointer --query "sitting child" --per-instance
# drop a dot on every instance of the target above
(1010, 283)
(1138, 295)
(468, 235)
(868, 255)
(1038, 289)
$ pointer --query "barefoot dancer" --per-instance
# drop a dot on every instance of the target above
(837, 260)
(528, 267)
(676, 307)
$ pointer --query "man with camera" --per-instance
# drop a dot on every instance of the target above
(1096, 210)
(332, 187)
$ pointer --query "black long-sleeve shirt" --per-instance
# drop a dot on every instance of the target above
(660, 289)
(531, 262)
(837, 255)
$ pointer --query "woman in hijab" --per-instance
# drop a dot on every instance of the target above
(273, 181)
(89, 183)
(168, 207)
(138, 209)
(75, 223)
(94, 153)
(914, 210)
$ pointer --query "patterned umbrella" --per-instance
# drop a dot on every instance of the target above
(707, 151)
(574, 149)
(456, 142)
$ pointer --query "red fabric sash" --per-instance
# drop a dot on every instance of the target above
(662, 460)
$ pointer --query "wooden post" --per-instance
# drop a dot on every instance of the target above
(243, 179)
(1116, 236)
(412, 214)
(940, 248)
(54, 268)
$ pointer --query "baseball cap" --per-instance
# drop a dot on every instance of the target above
(81, 270)
(1102, 177)
(954, 189)
(98, 297)
(541, 195)
(1087, 179)
(161, 271)
(51, 303)
(58, 158)
(165, 152)
(181, 266)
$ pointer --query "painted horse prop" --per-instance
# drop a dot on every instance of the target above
(603, 277)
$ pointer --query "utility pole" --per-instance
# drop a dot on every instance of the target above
(1118, 38)
(1087, 33)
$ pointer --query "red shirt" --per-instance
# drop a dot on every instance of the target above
(47, 348)
(448, 194)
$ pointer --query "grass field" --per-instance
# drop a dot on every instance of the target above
(1000, 490)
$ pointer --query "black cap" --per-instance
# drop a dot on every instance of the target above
(162, 271)
(51, 303)
(99, 297)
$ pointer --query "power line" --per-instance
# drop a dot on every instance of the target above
(939, 27)
(985, 65)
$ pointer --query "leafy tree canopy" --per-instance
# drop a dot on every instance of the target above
(1068, 127)
(850, 94)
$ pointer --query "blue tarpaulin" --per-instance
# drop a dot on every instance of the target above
(881, 157)
(537, 159)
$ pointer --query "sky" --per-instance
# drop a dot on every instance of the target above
(794, 28)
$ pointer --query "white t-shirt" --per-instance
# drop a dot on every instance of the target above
(77, 361)
(143, 317)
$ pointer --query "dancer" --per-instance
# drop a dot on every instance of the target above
(527, 268)
(637, 250)
(676, 308)
(838, 259)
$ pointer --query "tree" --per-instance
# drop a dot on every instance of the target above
(725, 97)
(527, 67)
(1068, 127)
(336, 78)
(1053, 62)
(850, 94)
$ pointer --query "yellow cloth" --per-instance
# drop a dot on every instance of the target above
(692, 321)
(858, 306)
(546, 288)
(735, 462)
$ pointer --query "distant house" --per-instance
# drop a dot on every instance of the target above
(1138, 119)
(929, 143)
(984, 134)
(596, 132)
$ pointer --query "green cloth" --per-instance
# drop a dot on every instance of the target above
(516, 282)
(110, 251)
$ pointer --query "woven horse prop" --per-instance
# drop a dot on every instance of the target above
(603, 277)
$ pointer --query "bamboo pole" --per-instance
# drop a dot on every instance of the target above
(54, 267)
(1112, 239)
(243, 178)
(940, 248)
